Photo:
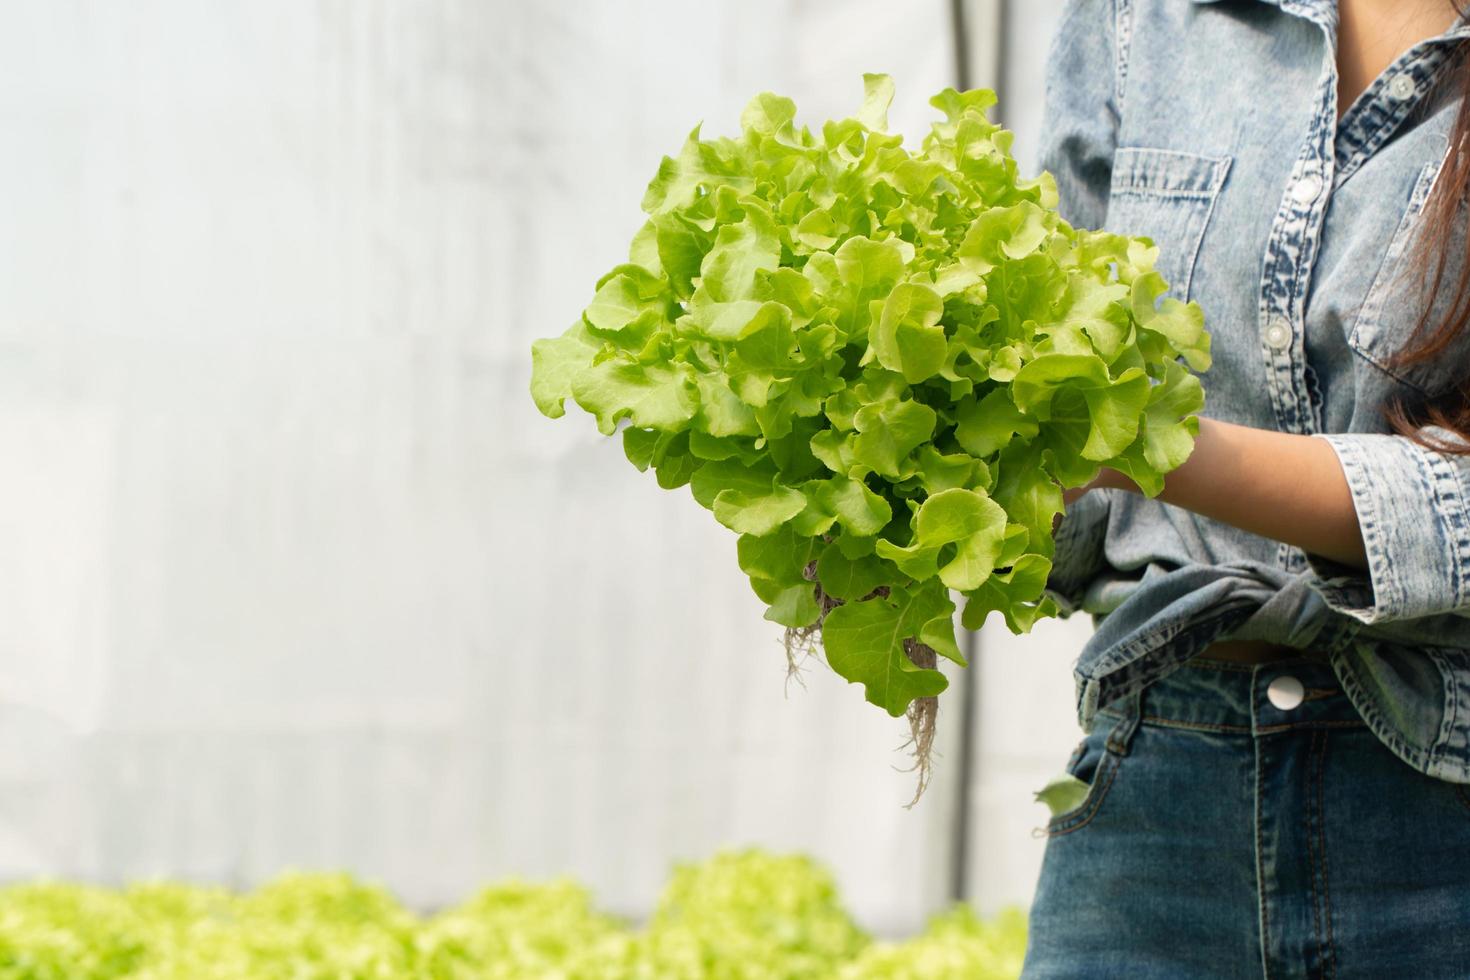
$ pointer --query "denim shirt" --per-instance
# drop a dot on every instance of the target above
(1212, 128)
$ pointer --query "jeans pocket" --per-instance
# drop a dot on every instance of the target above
(1096, 765)
(1166, 196)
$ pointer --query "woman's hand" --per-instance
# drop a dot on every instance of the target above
(1281, 485)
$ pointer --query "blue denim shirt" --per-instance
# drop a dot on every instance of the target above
(1212, 128)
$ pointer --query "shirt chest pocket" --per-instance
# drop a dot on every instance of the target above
(1395, 297)
(1167, 196)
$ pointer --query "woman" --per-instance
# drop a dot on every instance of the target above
(1277, 698)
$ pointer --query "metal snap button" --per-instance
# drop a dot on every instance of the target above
(1307, 189)
(1401, 86)
(1285, 692)
(1278, 334)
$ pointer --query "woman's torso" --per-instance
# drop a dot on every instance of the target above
(1287, 224)
(1213, 128)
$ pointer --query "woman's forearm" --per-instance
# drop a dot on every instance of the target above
(1280, 485)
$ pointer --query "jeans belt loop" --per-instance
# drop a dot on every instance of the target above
(1131, 707)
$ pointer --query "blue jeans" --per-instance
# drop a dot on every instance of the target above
(1223, 836)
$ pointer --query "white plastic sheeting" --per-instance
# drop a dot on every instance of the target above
(292, 573)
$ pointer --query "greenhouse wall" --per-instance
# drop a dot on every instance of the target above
(293, 574)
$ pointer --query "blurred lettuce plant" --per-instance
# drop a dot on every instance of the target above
(744, 915)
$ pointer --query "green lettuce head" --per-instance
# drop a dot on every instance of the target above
(880, 368)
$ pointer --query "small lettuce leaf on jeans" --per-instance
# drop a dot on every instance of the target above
(880, 365)
(1062, 794)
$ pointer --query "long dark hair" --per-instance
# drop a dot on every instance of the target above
(1435, 246)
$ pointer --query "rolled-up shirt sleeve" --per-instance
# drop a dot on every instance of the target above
(1413, 507)
(1080, 115)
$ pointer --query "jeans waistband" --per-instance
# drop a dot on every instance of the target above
(1237, 698)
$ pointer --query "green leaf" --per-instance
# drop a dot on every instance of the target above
(877, 96)
(791, 289)
(855, 546)
(1005, 233)
(1026, 293)
(795, 606)
(934, 611)
(750, 513)
(908, 338)
(857, 507)
(888, 431)
(721, 412)
(817, 230)
(1183, 324)
(1166, 436)
(643, 250)
(957, 106)
(1028, 493)
(706, 446)
(1102, 423)
(628, 308)
(1062, 794)
(864, 644)
(870, 268)
(673, 463)
(779, 557)
(1169, 427)
(651, 395)
(724, 322)
(1096, 309)
(835, 450)
(938, 634)
(841, 407)
(1016, 593)
(555, 363)
(971, 521)
(678, 180)
(986, 425)
(792, 453)
(946, 472)
(766, 342)
(681, 246)
(728, 271)
(768, 114)
(851, 579)
(638, 446)
(731, 474)
(746, 499)
(849, 503)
